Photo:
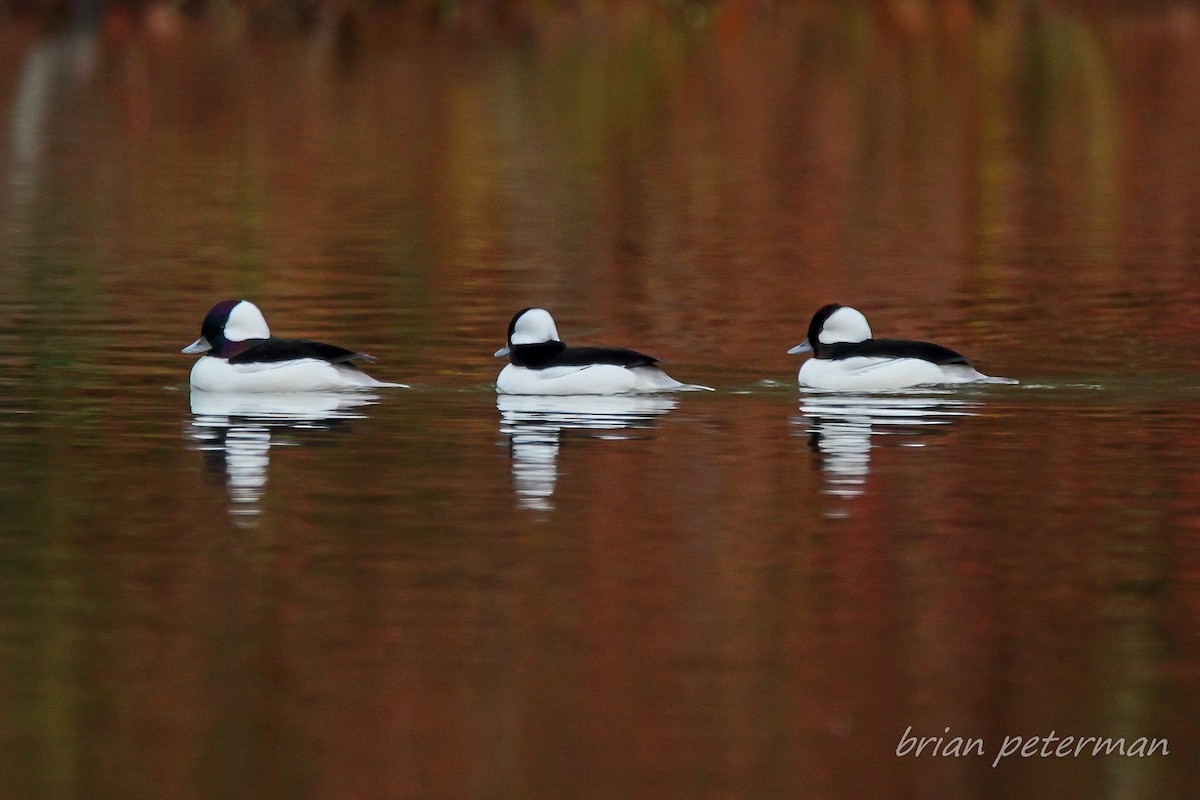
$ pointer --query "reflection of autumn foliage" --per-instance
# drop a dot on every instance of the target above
(945, 166)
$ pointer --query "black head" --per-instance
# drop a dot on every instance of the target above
(213, 327)
(818, 322)
(513, 324)
(532, 338)
(227, 326)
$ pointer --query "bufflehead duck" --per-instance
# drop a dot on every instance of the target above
(241, 355)
(845, 357)
(542, 364)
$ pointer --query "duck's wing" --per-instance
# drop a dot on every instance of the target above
(897, 348)
(586, 356)
(264, 351)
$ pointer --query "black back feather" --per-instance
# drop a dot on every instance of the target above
(892, 348)
(267, 351)
(620, 356)
(544, 355)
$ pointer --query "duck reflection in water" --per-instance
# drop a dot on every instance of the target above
(534, 425)
(842, 428)
(237, 431)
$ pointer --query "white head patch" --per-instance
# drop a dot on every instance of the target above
(845, 325)
(246, 322)
(534, 327)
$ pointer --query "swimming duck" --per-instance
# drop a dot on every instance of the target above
(542, 364)
(241, 355)
(846, 357)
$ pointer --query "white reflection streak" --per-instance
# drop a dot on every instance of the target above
(534, 425)
(841, 427)
(52, 65)
(246, 462)
(236, 429)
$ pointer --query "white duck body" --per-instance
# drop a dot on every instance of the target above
(543, 365)
(591, 379)
(212, 374)
(882, 374)
(847, 358)
(242, 356)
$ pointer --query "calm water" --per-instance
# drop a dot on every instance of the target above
(752, 593)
